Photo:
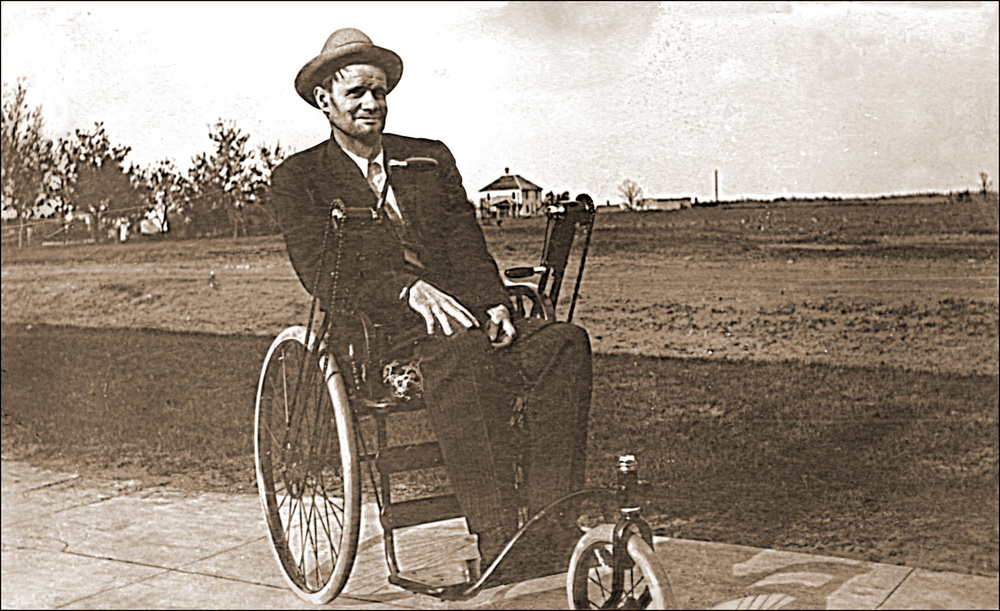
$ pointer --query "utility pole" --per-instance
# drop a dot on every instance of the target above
(716, 186)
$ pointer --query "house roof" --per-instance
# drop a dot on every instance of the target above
(511, 181)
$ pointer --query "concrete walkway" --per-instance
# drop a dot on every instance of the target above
(72, 544)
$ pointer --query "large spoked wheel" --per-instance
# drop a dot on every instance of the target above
(589, 583)
(307, 467)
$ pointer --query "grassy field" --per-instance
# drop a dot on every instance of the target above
(818, 377)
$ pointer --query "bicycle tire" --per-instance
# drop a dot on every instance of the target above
(307, 467)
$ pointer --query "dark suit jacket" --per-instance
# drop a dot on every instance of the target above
(372, 269)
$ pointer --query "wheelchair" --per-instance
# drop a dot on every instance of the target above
(323, 408)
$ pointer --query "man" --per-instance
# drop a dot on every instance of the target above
(412, 257)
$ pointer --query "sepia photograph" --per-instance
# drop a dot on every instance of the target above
(633, 305)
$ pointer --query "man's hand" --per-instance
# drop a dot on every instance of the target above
(500, 329)
(438, 308)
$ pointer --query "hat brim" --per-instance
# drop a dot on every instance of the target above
(325, 64)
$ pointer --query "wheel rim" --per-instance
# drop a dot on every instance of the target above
(590, 581)
(305, 488)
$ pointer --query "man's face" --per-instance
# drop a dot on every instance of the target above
(356, 102)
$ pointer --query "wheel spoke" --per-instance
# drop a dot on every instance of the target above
(633, 584)
(281, 502)
(314, 539)
(303, 537)
(270, 435)
(309, 538)
(330, 507)
(600, 563)
(599, 582)
(284, 386)
(327, 531)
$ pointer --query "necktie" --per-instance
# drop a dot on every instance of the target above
(376, 180)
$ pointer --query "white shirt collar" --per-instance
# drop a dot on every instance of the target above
(363, 163)
(390, 197)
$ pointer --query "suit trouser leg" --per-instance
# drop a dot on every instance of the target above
(555, 362)
(468, 402)
(468, 391)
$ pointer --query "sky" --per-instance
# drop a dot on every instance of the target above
(781, 98)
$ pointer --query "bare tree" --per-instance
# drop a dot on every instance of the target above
(631, 192)
(986, 182)
(29, 166)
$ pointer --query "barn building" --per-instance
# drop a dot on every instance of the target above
(665, 203)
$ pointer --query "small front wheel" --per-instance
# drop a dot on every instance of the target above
(307, 466)
(589, 583)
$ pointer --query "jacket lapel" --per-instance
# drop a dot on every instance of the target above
(344, 178)
(407, 193)
(401, 189)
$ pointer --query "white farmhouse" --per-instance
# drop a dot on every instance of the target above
(507, 196)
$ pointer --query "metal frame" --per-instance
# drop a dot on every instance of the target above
(564, 220)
